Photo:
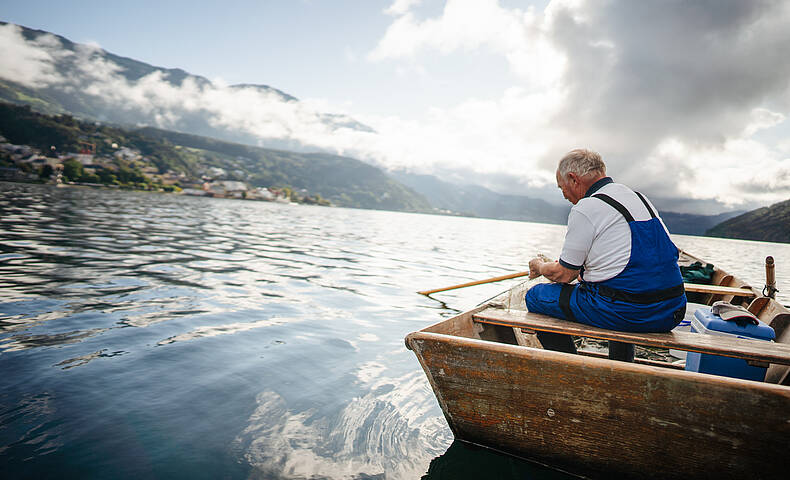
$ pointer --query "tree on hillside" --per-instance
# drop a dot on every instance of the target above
(46, 171)
(107, 177)
(72, 170)
(130, 175)
(89, 178)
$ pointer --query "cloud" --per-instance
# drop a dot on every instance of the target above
(672, 94)
(762, 119)
(400, 7)
(739, 169)
(482, 136)
(681, 94)
(475, 24)
(28, 63)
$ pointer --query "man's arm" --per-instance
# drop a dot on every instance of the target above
(551, 270)
(578, 241)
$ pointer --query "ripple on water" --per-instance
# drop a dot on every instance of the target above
(216, 336)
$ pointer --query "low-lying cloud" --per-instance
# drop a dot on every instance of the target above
(29, 63)
(263, 113)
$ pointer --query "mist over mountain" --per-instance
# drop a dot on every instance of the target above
(60, 76)
(345, 181)
(479, 201)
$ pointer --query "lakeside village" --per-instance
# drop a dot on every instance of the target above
(127, 168)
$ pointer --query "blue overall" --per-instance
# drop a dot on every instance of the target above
(647, 296)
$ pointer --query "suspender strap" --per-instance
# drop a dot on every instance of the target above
(616, 205)
(647, 206)
(621, 208)
(565, 301)
(640, 298)
(645, 298)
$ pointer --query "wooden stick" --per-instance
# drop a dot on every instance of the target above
(719, 290)
(690, 287)
(478, 282)
(770, 278)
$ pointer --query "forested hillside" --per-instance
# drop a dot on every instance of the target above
(769, 224)
(343, 181)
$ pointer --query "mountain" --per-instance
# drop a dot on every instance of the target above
(691, 224)
(769, 224)
(341, 180)
(478, 201)
(54, 75)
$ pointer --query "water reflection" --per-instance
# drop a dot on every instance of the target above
(84, 359)
(16, 343)
(386, 433)
(226, 329)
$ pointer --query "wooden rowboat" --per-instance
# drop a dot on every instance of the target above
(595, 417)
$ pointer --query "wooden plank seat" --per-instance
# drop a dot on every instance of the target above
(759, 351)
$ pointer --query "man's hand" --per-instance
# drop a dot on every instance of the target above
(552, 270)
(534, 267)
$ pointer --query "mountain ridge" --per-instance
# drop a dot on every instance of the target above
(343, 180)
(474, 200)
(479, 201)
(767, 224)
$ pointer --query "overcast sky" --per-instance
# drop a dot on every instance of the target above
(683, 99)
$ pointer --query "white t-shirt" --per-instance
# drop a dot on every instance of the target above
(598, 236)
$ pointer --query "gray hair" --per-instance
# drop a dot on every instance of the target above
(582, 162)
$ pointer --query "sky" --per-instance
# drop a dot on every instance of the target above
(686, 101)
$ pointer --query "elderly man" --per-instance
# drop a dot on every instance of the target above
(620, 251)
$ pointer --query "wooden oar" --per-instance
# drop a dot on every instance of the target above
(690, 287)
(478, 282)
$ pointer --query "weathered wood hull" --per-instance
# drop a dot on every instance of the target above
(601, 418)
(586, 415)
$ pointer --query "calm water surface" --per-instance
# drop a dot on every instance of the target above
(146, 335)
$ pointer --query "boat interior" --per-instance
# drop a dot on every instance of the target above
(504, 319)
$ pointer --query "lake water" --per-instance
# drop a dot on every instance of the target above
(146, 335)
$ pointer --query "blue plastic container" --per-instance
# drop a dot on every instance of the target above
(707, 323)
(685, 326)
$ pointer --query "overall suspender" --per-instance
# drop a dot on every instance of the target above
(565, 301)
(630, 297)
(621, 208)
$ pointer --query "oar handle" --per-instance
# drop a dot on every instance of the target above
(478, 282)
